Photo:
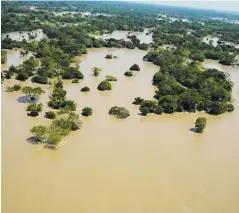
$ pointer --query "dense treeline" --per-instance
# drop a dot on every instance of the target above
(186, 86)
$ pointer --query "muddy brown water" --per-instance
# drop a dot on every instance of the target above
(140, 164)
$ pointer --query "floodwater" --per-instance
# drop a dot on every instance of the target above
(20, 35)
(144, 37)
(215, 40)
(140, 164)
(14, 58)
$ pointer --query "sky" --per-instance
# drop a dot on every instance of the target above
(222, 5)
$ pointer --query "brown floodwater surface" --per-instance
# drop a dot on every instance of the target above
(140, 164)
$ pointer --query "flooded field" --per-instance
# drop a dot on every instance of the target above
(144, 37)
(20, 35)
(140, 164)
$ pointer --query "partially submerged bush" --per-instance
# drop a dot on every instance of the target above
(110, 78)
(135, 67)
(104, 85)
(138, 101)
(87, 111)
(15, 87)
(75, 81)
(109, 56)
(50, 115)
(96, 71)
(200, 124)
(39, 79)
(128, 73)
(85, 89)
(119, 112)
(34, 107)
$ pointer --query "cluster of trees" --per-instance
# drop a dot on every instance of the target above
(58, 99)
(119, 112)
(60, 127)
(15, 87)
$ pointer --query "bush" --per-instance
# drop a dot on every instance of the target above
(85, 89)
(15, 87)
(34, 107)
(87, 111)
(33, 113)
(75, 81)
(109, 56)
(8, 75)
(71, 73)
(40, 132)
(96, 71)
(104, 85)
(200, 124)
(148, 106)
(138, 101)
(110, 78)
(39, 79)
(50, 115)
(135, 67)
(128, 73)
(22, 76)
(119, 112)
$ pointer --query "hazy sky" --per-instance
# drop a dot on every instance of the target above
(215, 5)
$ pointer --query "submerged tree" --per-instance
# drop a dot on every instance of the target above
(104, 85)
(96, 71)
(33, 93)
(119, 112)
(87, 111)
(135, 67)
(200, 124)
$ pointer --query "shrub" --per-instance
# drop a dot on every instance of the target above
(15, 87)
(119, 112)
(34, 107)
(135, 67)
(33, 113)
(22, 76)
(138, 101)
(85, 89)
(75, 81)
(50, 115)
(39, 79)
(96, 71)
(40, 132)
(200, 124)
(71, 73)
(128, 73)
(87, 111)
(104, 85)
(110, 78)
(148, 106)
(109, 56)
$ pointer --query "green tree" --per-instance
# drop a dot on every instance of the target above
(87, 111)
(40, 132)
(200, 124)
(119, 112)
(104, 85)
(96, 71)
